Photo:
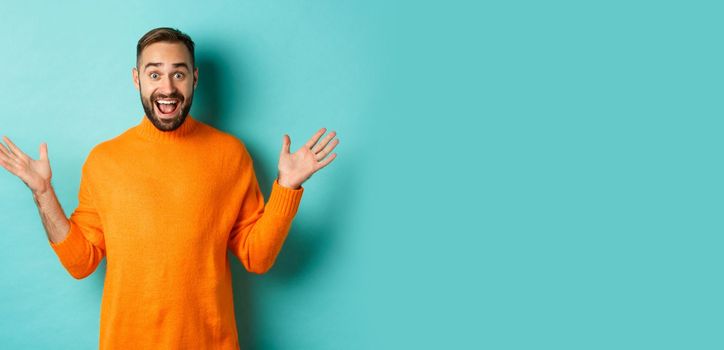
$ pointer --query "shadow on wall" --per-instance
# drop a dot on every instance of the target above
(221, 99)
(306, 250)
(222, 88)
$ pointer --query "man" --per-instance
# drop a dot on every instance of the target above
(163, 202)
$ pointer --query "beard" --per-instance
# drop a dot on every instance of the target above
(166, 124)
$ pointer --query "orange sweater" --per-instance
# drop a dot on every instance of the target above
(163, 208)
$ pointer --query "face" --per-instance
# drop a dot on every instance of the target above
(166, 80)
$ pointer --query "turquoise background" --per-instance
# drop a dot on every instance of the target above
(524, 175)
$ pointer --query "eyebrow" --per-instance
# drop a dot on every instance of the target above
(158, 64)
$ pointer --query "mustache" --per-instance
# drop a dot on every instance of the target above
(172, 95)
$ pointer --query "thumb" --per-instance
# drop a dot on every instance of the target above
(286, 142)
(44, 151)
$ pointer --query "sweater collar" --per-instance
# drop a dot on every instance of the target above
(147, 130)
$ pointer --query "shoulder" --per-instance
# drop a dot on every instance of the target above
(104, 149)
(98, 152)
(109, 149)
(231, 146)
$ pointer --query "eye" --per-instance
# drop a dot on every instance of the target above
(179, 75)
(154, 76)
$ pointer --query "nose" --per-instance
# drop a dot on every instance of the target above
(167, 86)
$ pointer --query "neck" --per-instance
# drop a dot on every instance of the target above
(147, 130)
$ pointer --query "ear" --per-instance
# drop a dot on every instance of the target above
(134, 72)
(196, 77)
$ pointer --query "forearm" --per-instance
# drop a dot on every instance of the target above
(52, 215)
(258, 244)
(264, 242)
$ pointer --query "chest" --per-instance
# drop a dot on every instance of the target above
(185, 199)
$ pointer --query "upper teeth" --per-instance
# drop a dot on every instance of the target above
(166, 102)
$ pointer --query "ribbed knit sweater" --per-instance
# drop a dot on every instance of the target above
(164, 208)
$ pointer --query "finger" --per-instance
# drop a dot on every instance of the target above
(326, 150)
(15, 149)
(5, 150)
(9, 166)
(9, 158)
(4, 154)
(324, 142)
(329, 159)
(44, 151)
(315, 138)
(286, 142)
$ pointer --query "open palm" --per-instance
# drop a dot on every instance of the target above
(297, 167)
(35, 173)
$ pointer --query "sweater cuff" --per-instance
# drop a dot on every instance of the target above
(284, 201)
(74, 244)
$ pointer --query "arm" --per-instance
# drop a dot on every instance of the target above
(259, 231)
(77, 254)
(36, 174)
(55, 222)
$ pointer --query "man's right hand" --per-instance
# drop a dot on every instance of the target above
(35, 173)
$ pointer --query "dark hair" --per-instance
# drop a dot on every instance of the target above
(165, 34)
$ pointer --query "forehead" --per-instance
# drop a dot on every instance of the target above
(164, 52)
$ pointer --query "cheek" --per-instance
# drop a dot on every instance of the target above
(188, 90)
(146, 95)
(143, 89)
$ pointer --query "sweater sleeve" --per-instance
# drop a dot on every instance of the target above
(259, 231)
(83, 248)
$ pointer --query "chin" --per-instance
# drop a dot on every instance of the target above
(168, 124)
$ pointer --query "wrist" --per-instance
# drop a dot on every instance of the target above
(44, 190)
(284, 183)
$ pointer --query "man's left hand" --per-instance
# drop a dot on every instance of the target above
(297, 167)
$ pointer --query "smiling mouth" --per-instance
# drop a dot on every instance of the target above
(166, 107)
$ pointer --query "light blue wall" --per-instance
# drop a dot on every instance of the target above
(265, 69)
(534, 175)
